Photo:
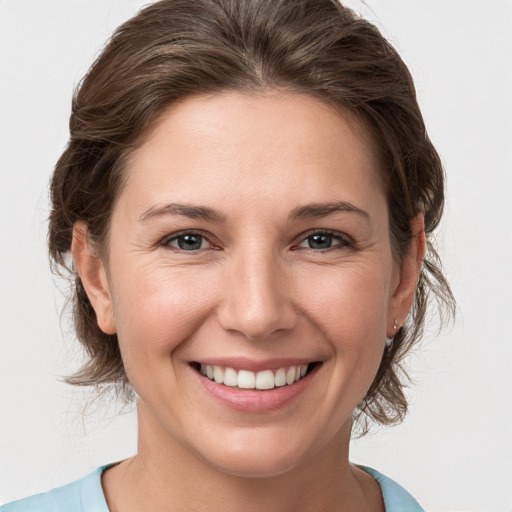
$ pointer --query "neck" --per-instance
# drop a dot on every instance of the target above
(165, 475)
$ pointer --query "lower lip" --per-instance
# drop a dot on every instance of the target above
(256, 401)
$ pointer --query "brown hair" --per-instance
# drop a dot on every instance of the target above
(177, 48)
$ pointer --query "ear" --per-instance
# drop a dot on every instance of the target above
(404, 285)
(92, 272)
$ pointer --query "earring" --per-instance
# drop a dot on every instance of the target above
(389, 341)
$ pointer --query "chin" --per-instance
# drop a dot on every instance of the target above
(258, 465)
(259, 455)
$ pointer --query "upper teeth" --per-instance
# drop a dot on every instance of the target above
(266, 379)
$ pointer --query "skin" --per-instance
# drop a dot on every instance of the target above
(256, 289)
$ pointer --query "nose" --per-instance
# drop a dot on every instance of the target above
(258, 296)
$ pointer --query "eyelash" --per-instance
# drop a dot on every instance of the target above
(344, 240)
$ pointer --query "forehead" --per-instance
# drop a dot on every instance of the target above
(276, 146)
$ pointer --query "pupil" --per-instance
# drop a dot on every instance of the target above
(189, 242)
(320, 241)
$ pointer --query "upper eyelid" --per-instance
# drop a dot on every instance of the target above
(334, 233)
(184, 232)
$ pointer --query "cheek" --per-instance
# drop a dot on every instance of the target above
(158, 309)
(349, 305)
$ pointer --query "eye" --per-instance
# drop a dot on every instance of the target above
(188, 241)
(325, 240)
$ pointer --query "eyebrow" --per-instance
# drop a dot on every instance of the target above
(314, 210)
(318, 210)
(185, 210)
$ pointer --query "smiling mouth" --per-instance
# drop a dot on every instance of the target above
(262, 380)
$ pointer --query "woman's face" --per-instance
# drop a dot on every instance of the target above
(250, 242)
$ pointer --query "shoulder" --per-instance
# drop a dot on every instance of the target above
(396, 498)
(84, 495)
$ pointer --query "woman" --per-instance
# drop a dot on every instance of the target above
(248, 195)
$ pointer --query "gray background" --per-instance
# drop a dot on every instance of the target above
(454, 450)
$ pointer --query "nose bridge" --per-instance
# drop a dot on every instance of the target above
(257, 300)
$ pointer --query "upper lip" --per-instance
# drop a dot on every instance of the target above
(243, 363)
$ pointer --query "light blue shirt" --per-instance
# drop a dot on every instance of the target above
(86, 495)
